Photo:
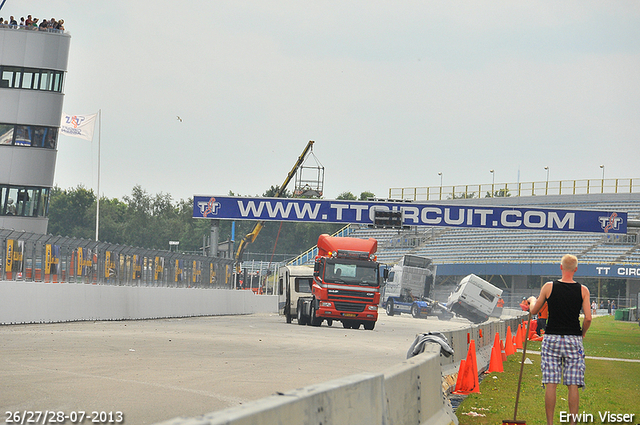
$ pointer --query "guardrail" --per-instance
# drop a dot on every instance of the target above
(556, 187)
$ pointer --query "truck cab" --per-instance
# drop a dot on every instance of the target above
(346, 284)
(409, 286)
(294, 282)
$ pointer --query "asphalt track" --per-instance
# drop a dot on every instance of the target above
(154, 370)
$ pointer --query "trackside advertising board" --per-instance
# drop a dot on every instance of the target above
(414, 214)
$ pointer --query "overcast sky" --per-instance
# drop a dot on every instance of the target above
(391, 92)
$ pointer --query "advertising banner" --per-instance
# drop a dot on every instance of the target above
(9, 260)
(15, 255)
(136, 267)
(179, 266)
(196, 272)
(52, 259)
(158, 268)
(413, 214)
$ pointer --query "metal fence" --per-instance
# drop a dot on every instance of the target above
(557, 187)
(33, 257)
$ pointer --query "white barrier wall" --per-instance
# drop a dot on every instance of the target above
(409, 393)
(29, 302)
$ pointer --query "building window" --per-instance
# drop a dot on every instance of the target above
(12, 77)
(6, 134)
(24, 201)
(28, 135)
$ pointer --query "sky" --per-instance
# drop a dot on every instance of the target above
(392, 93)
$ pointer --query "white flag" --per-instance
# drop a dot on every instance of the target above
(78, 125)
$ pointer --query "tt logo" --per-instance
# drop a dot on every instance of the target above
(209, 207)
(610, 223)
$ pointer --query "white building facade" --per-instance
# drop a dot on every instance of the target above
(32, 71)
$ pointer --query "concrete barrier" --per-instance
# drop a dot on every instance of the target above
(29, 302)
(406, 394)
(413, 392)
(409, 393)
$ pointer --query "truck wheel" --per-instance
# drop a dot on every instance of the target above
(329, 322)
(369, 325)
(415, 311)
(390, 311)
(355, 325)
(313, 320)
(346, 324)
(301, 318)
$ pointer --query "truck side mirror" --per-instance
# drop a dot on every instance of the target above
(385, 273)
(316, 269)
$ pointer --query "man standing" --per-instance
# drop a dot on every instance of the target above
(562, 350)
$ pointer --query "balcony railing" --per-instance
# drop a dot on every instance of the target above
(31, 28)
(557, 187)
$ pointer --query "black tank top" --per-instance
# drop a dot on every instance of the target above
(565, 303)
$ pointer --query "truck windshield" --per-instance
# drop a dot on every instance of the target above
(351, 272)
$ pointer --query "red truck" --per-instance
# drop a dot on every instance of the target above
(346, 284)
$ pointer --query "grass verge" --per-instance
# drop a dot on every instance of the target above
(612, 386)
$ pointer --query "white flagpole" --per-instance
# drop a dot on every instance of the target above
(98, 195)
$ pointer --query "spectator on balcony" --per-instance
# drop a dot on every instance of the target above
(11, 208)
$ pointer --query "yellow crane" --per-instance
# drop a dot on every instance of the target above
(250, 237)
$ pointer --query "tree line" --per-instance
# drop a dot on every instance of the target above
(151, 221)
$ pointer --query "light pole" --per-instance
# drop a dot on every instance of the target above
(440, 174)
(546, 188)
(602, 186)
(493, 182)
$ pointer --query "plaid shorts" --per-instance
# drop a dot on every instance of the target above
(562, 354)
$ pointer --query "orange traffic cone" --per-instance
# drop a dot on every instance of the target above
(474, 367)
(460, 379)
(519, 337)
(495, 363)
(468, 381)
(509, 349)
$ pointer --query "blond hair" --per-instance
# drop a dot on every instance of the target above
(569, 263)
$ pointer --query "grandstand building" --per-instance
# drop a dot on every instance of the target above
(32, 70)
(519, 261)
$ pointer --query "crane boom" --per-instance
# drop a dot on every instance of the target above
(251, 237)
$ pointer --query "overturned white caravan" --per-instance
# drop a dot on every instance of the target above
(474, 299)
